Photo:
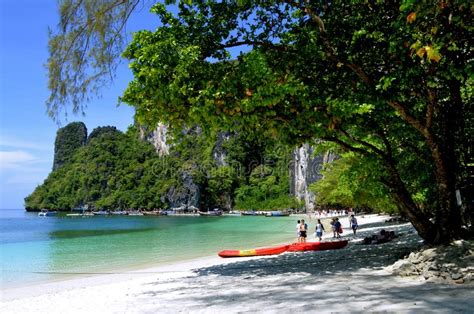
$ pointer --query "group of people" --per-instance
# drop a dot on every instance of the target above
(336, 226)
(382, 237)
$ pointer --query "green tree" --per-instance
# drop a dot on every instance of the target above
(350, 181)
(84, 50)
(384, 80)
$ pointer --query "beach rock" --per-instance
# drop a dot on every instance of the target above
(428, 274)
(403, 268)
(429, 254)
(433, 267)
(469, 278)
(449, 264)
(456, 276)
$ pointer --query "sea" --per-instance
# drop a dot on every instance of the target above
(37, 249)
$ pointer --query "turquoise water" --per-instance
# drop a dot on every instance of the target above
(35, 249)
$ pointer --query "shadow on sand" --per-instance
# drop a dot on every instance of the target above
(344, 280)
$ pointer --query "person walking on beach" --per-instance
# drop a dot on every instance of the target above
(303, 230)
(319, 229)
(353, 224)
(298, 235)
(333, 227)
(337, 228)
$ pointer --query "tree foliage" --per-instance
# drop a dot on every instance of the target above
(382, 79)
(350, 181)
(84, 50)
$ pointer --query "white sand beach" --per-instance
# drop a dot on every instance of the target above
(352, 279)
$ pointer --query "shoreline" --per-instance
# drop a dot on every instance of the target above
(135, 270)
(347, 280)
(45, 277)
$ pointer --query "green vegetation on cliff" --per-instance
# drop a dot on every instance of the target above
(68, 140)
(115, 170)
(112, 171)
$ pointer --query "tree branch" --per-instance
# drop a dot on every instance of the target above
(403, 111)
(347, 145)
(430, 108)
(375, 149)
(255, 43)
(314, 16)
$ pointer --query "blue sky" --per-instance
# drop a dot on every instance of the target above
(26, 132)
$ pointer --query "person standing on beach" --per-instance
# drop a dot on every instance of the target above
(319, 229)
(298, 234)
(303, 229)
(353, 224)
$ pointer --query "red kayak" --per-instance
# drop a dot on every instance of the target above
(317, 246)
(255, 252)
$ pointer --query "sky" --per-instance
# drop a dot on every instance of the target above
(26, 132)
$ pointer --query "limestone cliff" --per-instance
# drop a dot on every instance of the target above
(157, 137)
(68, 140)
(187, 194)
(304, 170)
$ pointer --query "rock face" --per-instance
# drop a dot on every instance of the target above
(68, 140)
(218, 153)
(158, 138)
(452, 264)
(304, 170)
(186, 196)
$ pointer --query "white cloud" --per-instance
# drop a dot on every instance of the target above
(14, 159)
(22, 167)
(19, 160)
(11, 142)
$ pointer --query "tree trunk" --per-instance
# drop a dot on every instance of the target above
(425, 228)
(443, 151)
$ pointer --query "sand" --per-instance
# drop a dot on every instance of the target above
(349, 280)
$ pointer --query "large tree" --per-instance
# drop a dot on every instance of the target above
(388, 80)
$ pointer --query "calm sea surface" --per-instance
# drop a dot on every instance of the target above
(35, 249)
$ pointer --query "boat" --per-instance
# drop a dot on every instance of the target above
(249, 213)
(254, 252)
(46, 213)
(153, 213)
(317, 246)
(233, 213)
(119, 212)
(135, 213)
(211, 213)
(101, 213)
(277, 214)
